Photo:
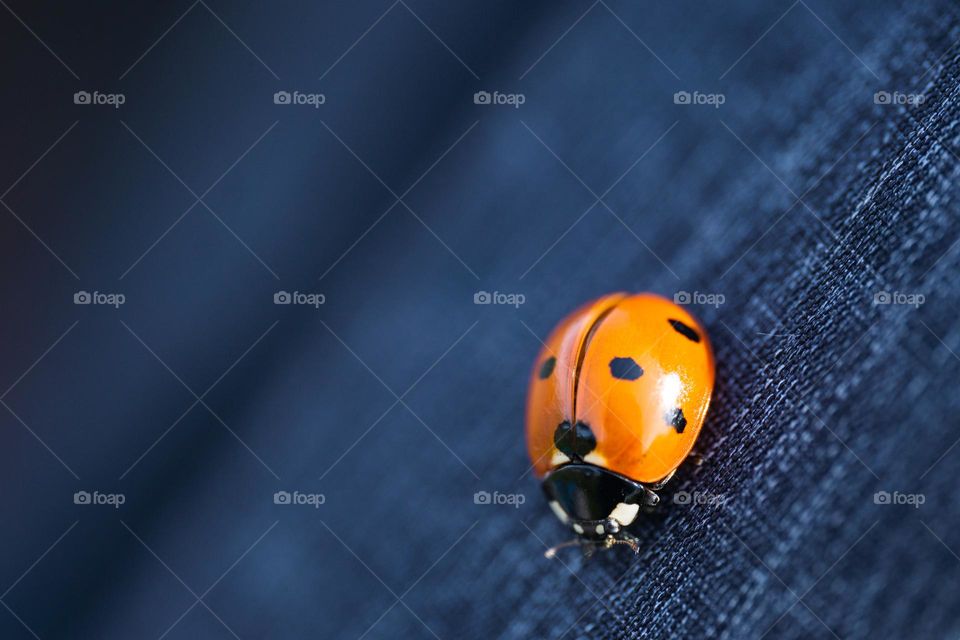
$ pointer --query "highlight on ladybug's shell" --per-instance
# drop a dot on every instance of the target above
(617, 398)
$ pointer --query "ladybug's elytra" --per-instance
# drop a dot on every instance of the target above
(617, 399)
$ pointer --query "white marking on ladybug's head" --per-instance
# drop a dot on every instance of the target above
(558, 458)
(559, 512)
(578, 528)
(625, 513)
(595, 458)
(599, 529)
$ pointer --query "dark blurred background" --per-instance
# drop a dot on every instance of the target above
(183, 457)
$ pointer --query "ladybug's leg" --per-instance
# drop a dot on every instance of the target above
(646, 497)
(695, 458)
(625, 538)
(649, 498)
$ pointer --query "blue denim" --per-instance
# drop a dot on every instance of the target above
(224, 455)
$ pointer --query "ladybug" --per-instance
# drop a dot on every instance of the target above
(617, 398)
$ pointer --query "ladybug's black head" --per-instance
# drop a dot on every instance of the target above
(574, 441)
(598, 504)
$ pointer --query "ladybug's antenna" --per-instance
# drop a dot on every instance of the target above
(552, 551)
(591, 545)
(630, 542)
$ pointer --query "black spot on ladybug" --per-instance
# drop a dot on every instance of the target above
(625, 369)
(676, 420)
(687, 332)
(547, 367)
(574, 441)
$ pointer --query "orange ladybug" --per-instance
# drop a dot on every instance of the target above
(617, 398)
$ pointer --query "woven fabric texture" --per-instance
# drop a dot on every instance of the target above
(805, 199)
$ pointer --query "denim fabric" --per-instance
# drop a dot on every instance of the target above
(811, 220)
